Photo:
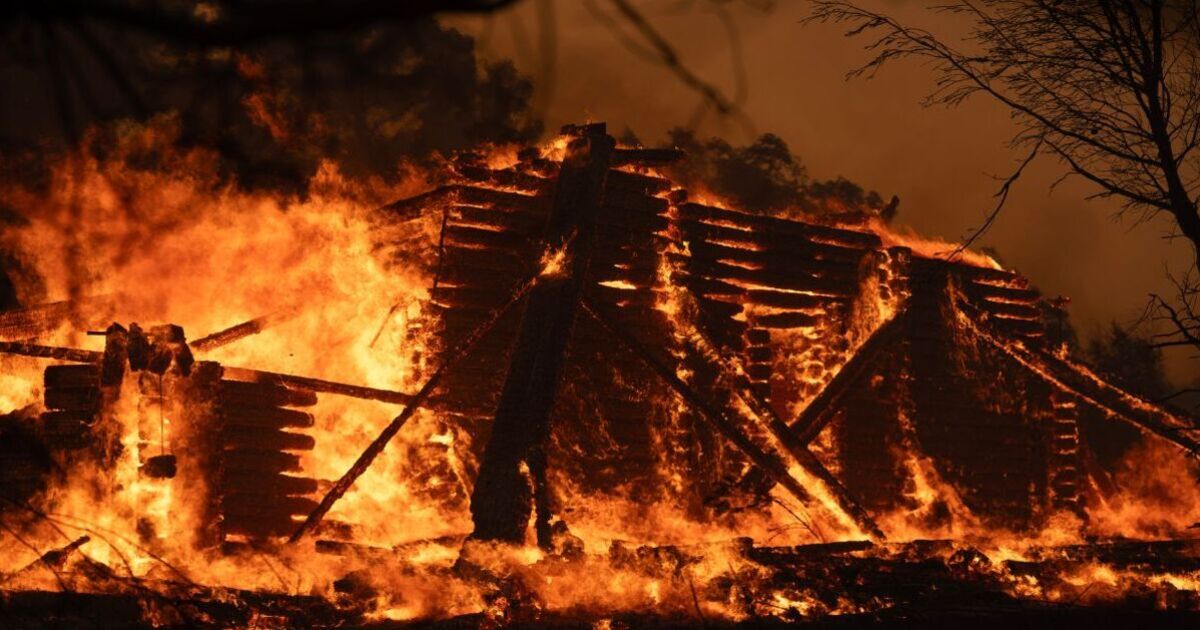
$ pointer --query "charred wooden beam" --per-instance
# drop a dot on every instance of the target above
(626, 181)
(646, 157)
(53, 559)
(253, 504)
(417, 400)
(844, 285)
(708, 353)
(26, 323)
(818, 412)
(501, 200)
(74, 398)
(518, 222)
(235, 480)
(255, 460)
(242, 436)
(295, 382)
(804, 259)
(262, 394)
(242, 330)
(790, 300)
(506, 178)
(266, 417)
(501, 500)
(415, 207)
(628, 203)
(765, 240)
(769, 463)
(71, 376)
(793, 319)
(820, 233)
(50, 352)
(1094, 390)
(479, 238)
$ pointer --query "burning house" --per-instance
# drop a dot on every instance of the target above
(605, 376)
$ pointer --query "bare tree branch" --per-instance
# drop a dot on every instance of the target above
(1111, 88)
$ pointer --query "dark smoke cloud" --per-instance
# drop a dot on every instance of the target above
(367, 97)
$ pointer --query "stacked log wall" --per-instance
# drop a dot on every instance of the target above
(755, 280)
(259, 491)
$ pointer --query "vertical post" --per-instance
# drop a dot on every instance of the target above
(512, 476)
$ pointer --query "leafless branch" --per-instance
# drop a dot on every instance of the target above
(1001, 197)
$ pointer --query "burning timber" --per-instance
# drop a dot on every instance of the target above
(634, 404)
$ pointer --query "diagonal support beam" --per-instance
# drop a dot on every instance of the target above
(768, 462)
(1091, 388)
(809, 423)
(243, 330)
(729, 367)
(418, 399)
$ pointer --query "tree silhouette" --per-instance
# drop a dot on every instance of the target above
(1109, 88)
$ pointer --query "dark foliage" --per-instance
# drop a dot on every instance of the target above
(764, 177)
(366, 95)
(1130, 360)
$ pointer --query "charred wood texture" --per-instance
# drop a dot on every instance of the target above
(501, 501)
(256, 461)
(768, 462)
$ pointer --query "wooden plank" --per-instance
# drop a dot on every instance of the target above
(471, 260)
(784, 299)
(979, 291)
(501, 200)
(623, 202)
(640, 277)
(793, 319)
(246, 394)
(71, 376)
(306, 386)
(765, 278)
(261, 460)
(270, 505)
(1013, 310)
(641, 221)
(506, 178)
(481, 298)
(1019, 327)
(266, 417)
(844, 238)
(694, 230)
(618, 180)
(798, 260)
(487, 239)
(251, 482)
(50, 352)
(520, 223)
(256, 526)
(249, 436)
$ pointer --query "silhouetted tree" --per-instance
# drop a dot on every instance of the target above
(1130, 360)
(1110, 88)
(764, 177)
(366, 95)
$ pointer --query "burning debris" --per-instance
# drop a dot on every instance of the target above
(610, 401)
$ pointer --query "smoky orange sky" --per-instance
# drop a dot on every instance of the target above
(941, 162)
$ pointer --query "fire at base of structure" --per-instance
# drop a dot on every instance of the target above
(722, 414)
